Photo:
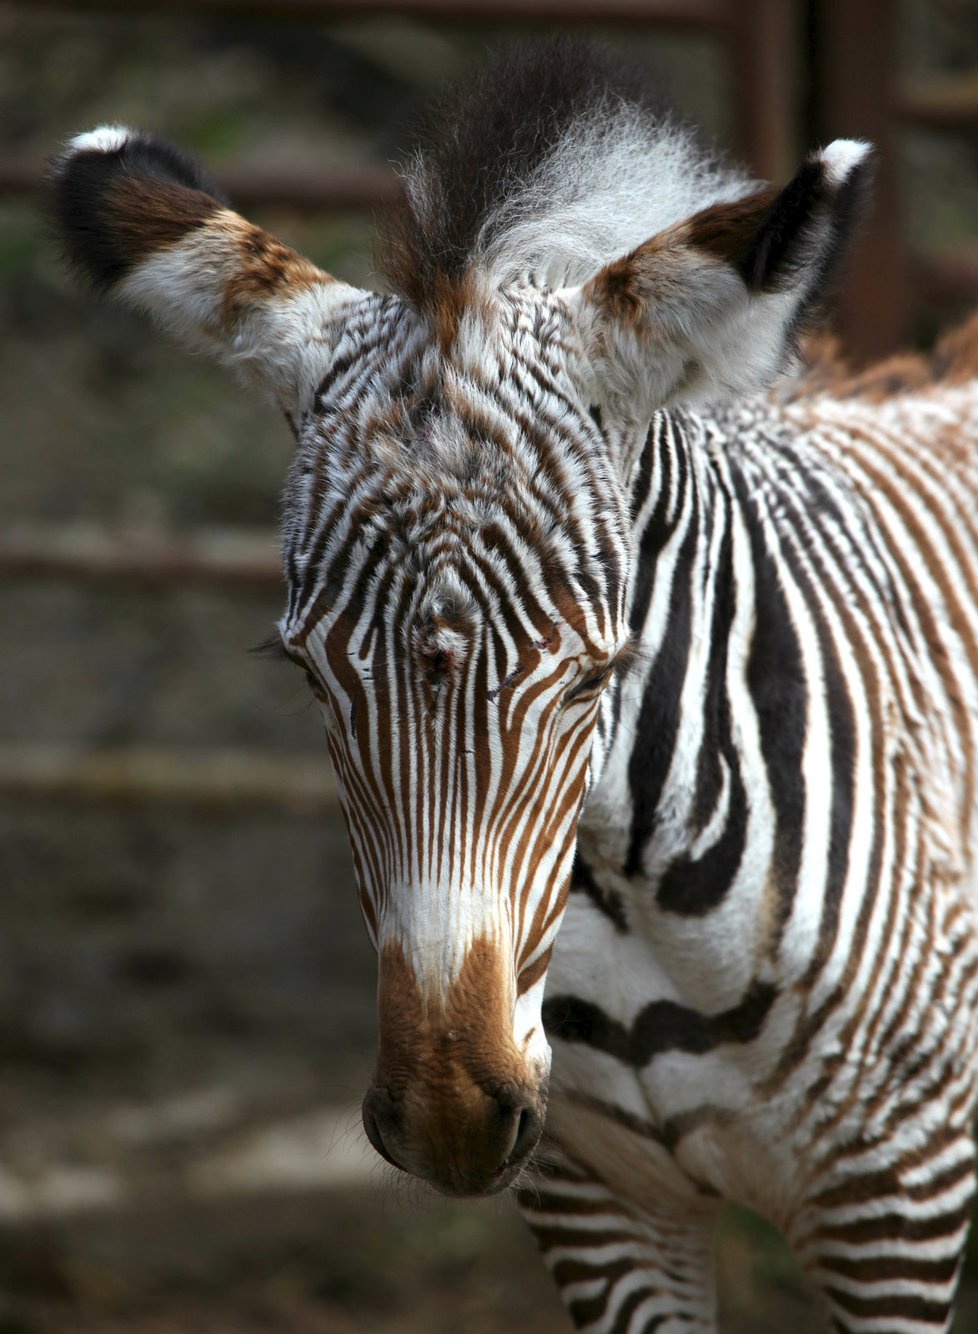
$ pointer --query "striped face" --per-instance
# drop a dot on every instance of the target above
(457, 562)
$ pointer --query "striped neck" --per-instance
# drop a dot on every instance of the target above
(666, 793)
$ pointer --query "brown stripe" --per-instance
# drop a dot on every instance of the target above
(149, 215)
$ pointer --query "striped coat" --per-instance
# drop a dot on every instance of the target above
(649, 676)
(818, 1066)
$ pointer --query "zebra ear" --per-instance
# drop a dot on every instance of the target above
(710, 307)
(141, 221)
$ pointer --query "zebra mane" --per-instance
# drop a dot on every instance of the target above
(552, 163)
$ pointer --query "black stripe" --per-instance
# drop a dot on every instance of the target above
(873, 1268)
(716, 740)
(906, 1227)
(661, 1026)
(690, 886)
(779, 691)
(657, 725)
(623, 1320)
(607, 901)
(658, 527)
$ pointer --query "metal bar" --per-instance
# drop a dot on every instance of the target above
(216, 782)
(944, 104)
(856, 61)
(81, 553)
(761, 37)
(337, 189)
(679, 14)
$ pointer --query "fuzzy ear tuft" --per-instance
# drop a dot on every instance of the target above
(117, 194)
(843, 158)
(711, 307)
(141, 220)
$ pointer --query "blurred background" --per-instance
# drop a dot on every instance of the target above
(186, 990)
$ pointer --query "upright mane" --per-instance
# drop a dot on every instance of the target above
(550, 164)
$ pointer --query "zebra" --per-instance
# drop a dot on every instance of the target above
(648, 666)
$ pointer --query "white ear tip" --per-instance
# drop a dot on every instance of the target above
(842, 157)
(103, 139)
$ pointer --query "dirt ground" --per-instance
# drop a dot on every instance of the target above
(377, 1259)
(338, 1263)
(290, 1225)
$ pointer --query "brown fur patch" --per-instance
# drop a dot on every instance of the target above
(954, 361)
(461, 1036)
(618, 289)
(625, 288)
(152, 215)
(450, 1082)
(266, 268)
(449, 301)
(444, 307)
(530, 976)
(727, 230)
(901, 374)
(658, 268)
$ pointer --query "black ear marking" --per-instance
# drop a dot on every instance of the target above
(772, 255)
(808, 224)
(115, 194)
(851, 204)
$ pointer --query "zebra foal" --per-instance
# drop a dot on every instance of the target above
(649, 676)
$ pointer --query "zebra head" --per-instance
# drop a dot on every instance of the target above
(457, 548)
(457, 521)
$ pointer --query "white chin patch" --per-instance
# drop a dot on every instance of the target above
(104, 139)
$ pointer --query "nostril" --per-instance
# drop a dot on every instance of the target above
(527, 1134)
(524, 1132)
(372, 1128)
(516, 1125)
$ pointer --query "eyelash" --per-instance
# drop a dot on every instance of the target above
(274, 648)
(592, 683)
(314, 686)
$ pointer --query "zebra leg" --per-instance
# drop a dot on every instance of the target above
(622, 1271)
(885, 1248)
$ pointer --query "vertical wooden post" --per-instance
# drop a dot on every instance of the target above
(762, 39)
(856, 50)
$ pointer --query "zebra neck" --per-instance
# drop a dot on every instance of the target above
(670, 804)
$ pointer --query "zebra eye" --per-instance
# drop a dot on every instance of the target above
(591, 685)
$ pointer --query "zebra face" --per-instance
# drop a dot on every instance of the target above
(458, 591)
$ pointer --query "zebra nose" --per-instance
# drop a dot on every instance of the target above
(378, 1112)
(474, 1146)
(526, 1121)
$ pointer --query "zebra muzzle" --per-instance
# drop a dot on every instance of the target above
(468, 1142)
(455, 1100)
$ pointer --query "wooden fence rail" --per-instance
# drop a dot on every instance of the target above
(677, 14)
(85, 553)
(216, 782)
(333, 190)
